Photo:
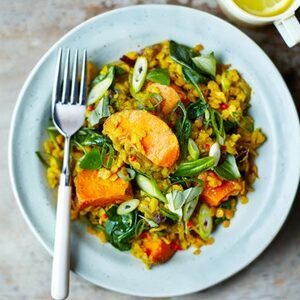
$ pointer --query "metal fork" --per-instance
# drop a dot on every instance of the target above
(68, 109)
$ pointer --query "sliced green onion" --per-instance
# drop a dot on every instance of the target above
(129, 176)
(127, 206)
(149, 186)
(205, 222)
(195, 167)
(101, 87)
(215, 152)
(193, 149)
(139, 74)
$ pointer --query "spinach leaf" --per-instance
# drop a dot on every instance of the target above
(196, 110)
(206, 63)
(160, 76)
(90, 137)
(228, 170)
(92, 160)
(183, 128)
(119, 71)
(219, 220)
(184, 56)
(217, 123)
(181, 54)
(194, 78)
(120, 229)
(226, 204)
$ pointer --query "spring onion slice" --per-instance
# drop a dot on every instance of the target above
(193, 149)
(139, 74)
(149, 186)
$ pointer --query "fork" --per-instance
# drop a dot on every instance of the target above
(68, 109)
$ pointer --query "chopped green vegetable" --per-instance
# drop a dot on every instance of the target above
(101, 87)
(195, 167)
(90, 137)
(225, 82)
(228, 170)
(206, 63)
(193, 77)
(120, 230)
(196, 110)
(226, 204)
(205, 222)
(139, 74)
(193, 149)
(129, 176)
(218, 126)
(183, 127)
(170, 215)
(215, 152)
(150, 187)
(160, 76)
(127, 206)
(91, 160)
(101, 111)
(146, 100)
(41, 158)
(183, 203)
(119, 71)
(140, 225)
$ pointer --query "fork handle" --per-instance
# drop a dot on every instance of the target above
(61, 256)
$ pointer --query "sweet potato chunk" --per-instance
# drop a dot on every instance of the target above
(146, 133)
(169, 95)
(157, 250)
(92, 190)
(215, 195)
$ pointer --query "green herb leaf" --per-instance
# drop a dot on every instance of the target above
(90, 137)
(218, 126)
(160, 76)
(181, 54)
(120, 229)
(193, 77)
(228, 170)
(119, 71)
(206, 63)
(91, 160)
(183, 128)
(196, 110)
(101, 111)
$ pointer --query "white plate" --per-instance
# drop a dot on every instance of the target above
(107, 37)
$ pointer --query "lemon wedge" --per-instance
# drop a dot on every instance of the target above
(264, 8)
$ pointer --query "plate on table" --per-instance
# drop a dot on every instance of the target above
(107, 37)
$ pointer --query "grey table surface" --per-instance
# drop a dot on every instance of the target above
(27, 29)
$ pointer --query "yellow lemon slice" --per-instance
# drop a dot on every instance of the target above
(264, 8)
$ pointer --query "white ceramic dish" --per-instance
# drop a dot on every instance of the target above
(107, 37)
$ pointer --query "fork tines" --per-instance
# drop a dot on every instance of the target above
(61, 88)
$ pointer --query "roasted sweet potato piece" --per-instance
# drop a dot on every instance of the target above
(145, 132)
(215, 195)
(157, 250)
(169, 95)
(92, 190)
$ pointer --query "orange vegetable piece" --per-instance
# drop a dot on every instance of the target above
(157, 250)
(216, 195)
(156, 140)
(169, 95)
(92, 190)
